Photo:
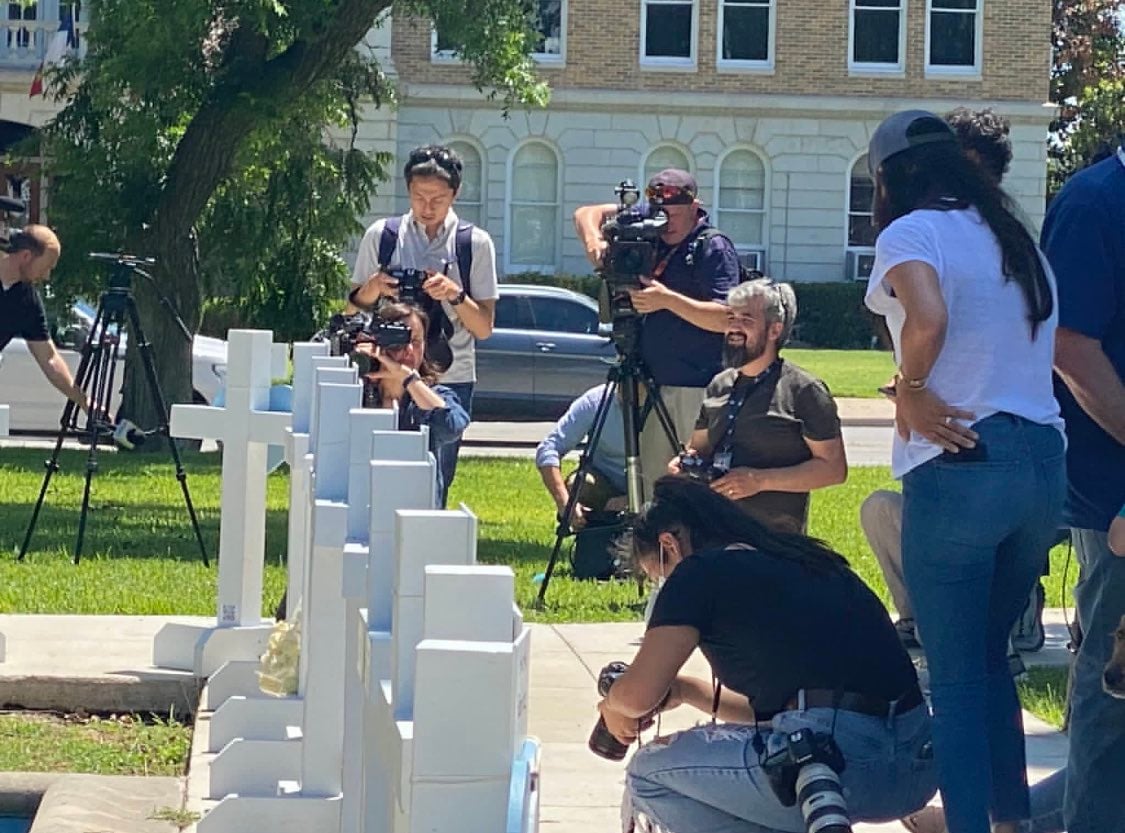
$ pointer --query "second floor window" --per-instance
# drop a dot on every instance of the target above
(877, 32)
(746, 28)
(953, 35)
(549, 25)
(668, 31)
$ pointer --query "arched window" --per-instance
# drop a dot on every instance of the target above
(661, 158)
(741, 189)
(861, 192)
(470, 201)
(533, 229)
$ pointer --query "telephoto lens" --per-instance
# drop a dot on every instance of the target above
(821, 800)
(601, 741)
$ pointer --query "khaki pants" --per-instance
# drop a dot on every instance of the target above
(656, 451)
(596, 490)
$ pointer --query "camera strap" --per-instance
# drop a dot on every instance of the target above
(738, 397)
(717, 688)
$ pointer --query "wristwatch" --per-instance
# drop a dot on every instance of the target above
(410, 379)
(459, 299)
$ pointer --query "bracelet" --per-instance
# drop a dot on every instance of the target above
(913, 384)
(410, 379)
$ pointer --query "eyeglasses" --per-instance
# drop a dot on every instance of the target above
(668, 193)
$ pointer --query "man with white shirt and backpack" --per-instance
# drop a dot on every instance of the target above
(431, 258)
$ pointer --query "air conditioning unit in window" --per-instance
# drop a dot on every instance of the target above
(753, 258)
(858, 265)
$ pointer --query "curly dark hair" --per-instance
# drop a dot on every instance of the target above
(984, 134)
(714, 522)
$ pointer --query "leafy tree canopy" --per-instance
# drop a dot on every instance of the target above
(198, 132)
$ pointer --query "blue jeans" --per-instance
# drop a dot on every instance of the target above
(1096, 766)
(709, 780)
(447, 454)
(973, 538)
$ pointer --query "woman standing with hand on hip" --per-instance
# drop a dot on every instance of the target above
(970, 304)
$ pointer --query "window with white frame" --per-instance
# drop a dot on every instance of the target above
(741, 191)
(668, 31)
(746, 32)
(877, 35)
(550, 26)
(661, 158)
(533, 229)
(861, 193)
(953, 35)
(441, 47)
(470, 200)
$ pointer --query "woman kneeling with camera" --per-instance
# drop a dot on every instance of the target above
(795, 641)
(406, 378)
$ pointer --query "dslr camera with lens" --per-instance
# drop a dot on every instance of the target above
(410, 286)
(346, 332)
(806, 770)
(698, 468)
(601, 742)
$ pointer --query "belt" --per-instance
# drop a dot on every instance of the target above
(813, 698)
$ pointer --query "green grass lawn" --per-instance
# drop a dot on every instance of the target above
(140, 556)
(124, 745)
(847, 372)
(1043, 693)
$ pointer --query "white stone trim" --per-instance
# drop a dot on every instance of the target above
(759, 104)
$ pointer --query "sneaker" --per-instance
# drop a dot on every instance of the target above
(907, 634)
(1028, 633)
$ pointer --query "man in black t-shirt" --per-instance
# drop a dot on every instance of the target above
(34, 252)
(770, 425)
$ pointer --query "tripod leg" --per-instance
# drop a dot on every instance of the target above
(162, 428)
(68, 423)
(101, 378)
(584, 464)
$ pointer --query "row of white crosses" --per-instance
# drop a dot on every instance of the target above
(411, 709)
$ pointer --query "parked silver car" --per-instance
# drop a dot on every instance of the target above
(546, 348)
(36, 406)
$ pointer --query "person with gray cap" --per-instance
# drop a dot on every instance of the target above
(683, 304)
(970, 305)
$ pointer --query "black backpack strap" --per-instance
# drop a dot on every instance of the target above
(463, 246)
(388, 241)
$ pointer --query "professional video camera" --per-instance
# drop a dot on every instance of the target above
(601, 742)
(632, 240)
(806, 770)
(345, 332)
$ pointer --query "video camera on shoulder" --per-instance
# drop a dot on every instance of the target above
(632, 239)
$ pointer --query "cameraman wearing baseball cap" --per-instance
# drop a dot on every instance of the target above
(682, 301)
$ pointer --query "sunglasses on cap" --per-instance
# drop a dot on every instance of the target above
(672, 194)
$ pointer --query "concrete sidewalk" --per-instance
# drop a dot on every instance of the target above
(86, 662)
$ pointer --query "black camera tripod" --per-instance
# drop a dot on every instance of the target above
(627, 375)
(95, 377)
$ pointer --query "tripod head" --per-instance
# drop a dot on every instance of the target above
(120, 284)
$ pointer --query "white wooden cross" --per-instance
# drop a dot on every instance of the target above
(246, 427)
(4, 420)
